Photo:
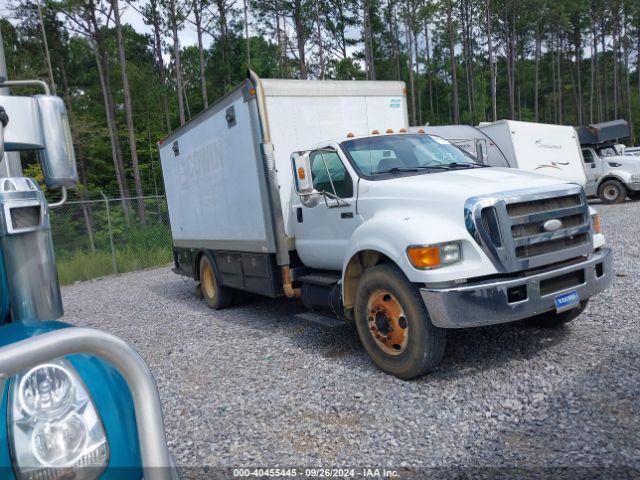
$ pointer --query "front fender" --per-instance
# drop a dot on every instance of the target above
(622, 176)
(392, 231)
(110, 395)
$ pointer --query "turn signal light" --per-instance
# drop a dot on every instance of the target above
(597, 224)
(402, 130)
(389, 130)
(434, 256)
(350, 135)
(421, 130)
(375, 132)
(424, 257)
(301, 173)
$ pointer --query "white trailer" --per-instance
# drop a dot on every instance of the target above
(472, 140)
(315, 190)
(553, 150)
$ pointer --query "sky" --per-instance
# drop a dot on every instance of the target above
(131, 16)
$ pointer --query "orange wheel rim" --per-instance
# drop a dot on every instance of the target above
(387, 322)
(208, 280)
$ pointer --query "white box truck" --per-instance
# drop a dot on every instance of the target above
(314, 190)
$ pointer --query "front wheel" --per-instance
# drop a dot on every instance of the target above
(612, 191)
(393, 324)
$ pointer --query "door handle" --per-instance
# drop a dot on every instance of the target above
(346, 215)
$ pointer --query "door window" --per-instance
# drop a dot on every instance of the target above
(588, 156)
(329, 174)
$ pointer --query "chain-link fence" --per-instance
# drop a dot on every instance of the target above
(99, 235)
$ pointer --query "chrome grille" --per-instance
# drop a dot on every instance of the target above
(25, 217)
(543, 205)
(510, 227)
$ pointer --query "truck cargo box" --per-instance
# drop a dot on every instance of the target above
(227, 173)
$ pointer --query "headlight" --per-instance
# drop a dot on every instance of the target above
(595, 223)
(635, 177)
(434, 256)
(54, 427)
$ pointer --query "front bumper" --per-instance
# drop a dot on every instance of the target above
(635, 186)
(503, 300)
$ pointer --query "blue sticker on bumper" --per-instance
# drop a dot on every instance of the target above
(567, 301)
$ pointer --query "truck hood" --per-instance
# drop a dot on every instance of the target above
(458, 185)
(629, 163)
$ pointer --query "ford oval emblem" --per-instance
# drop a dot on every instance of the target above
(552, 225)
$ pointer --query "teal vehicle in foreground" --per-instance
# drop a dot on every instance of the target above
(76, 403)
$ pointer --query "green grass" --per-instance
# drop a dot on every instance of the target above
(87, 265)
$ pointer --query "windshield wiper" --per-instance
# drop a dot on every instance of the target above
(409, 169)
(397, 170)
(454, 165)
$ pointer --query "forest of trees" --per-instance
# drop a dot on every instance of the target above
(464, 61)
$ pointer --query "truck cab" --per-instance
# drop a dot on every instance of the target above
(74, 402)
(613, 174)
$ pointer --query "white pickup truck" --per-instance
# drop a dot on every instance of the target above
(614, 174)
(313, 189)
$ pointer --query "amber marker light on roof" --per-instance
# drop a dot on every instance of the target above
(389, 130)
(421, 130)
(402, 130)
(350, 135)
(375, 132)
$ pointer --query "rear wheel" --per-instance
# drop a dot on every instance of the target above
(612, 191)
(394, 325)
(553, 319)
(214, 294)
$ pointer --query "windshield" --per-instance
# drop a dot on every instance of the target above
(390, 154)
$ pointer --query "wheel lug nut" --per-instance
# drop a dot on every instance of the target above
(373, 328)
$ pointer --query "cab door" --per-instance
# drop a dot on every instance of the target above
(593, 165)
(325, 221)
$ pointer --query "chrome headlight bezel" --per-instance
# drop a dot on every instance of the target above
(53, 424)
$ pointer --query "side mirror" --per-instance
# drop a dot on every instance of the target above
(40, 123)
(302, 174)
(58, 159)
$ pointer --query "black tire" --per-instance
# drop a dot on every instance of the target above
(214, 294)
(423, 343)
(553, 319)
(612, 191)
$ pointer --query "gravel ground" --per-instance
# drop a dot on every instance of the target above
(253, 386)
